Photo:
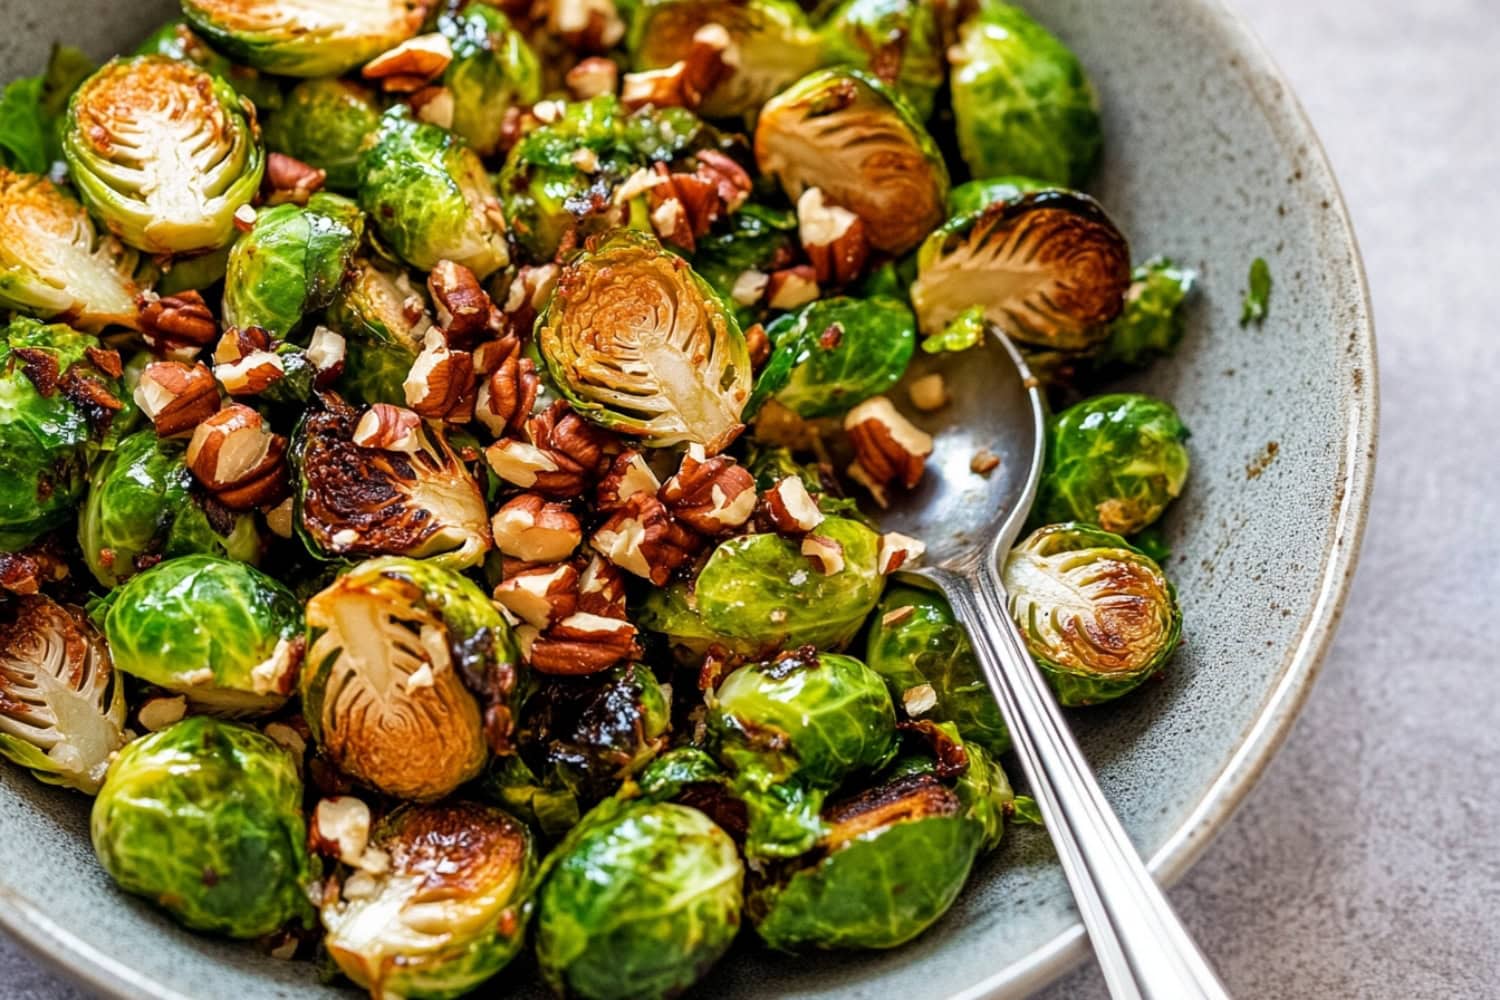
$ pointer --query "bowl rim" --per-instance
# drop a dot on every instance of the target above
(76, 958)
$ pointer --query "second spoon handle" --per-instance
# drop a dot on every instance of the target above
(1142, 947)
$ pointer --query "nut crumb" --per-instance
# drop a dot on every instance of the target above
(984, 462)
(929, 393)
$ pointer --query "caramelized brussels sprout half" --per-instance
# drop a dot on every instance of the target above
(446, 914)
(899, 41)
(163, 153)
(324, 123)
(1115, 461)
(54, 264)
(291, 263)
(493, 70)
(844, 132)
(639, 901)
(1049, 269)
(176, 40)
(430, 198)
(835, 353)
(352, 502)
(1151, 325)
(639, 344)
(305, 37)
(1098, 615)
(222, 633)
(205, 820)
(62, 710)
(392, 644)
(1022, 101)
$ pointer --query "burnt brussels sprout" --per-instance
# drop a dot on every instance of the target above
(835, 353)
(639, 901)
(899, 41)
(222, 633)
(1151, 324)
(324, 123)
(1098, 615)
(392, 643)
(1115, 461)
(639, 344)
(62, 709)
(205, 819)
(445, 914)
(163, 153)
(844, 132)
(1022, 101)
(305, 37)
(493, 70)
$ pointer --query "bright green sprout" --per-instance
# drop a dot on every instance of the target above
(898, 40)
(324, 123)
(1151, 325)
(493, 70)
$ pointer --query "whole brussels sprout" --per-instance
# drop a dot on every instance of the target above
(899, 41)
(305, 37)
(1097, 614)
(639, 344)
(672, 613)
(141, 507)
(222, 633)
(977, 195)
(291, 263)
(844, 132)
(1023, 103)
(493, 70)
(55, 404)
(1115, 461)
(792, 729)
(176, 40)
(835, 353)
(449, 911)
(392, 644)
(163, 152)
(923, 653)
(1049, 269)
(62, 709)
(430, 197)
(54, 264)
(638, 902)
(205, 819)
(1151, 325)
(324, 123)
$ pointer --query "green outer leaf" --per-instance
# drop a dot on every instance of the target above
(493, 70)
(962, 332)
(872, 34)
(324, 123)
(1152, 323)
(291, 263)
(977, 195)
(1257, 294)
(872, 342)
(23, 134)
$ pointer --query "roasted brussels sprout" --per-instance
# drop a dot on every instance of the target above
(977, 195)
(428, 194)
(291, 263)
(392, 644)
(756, 238)
(384, 333)
(899, 41)
(205, 819)
(352, 502)
(305, 37)
(176, 40)
(447, 913)
(222, 633)
(1115, 461)
(792, 729)
(602, 729)
(163, 152)
(640, 344)
(844, 132)
(1151, 324)
(835, 353)
(1049, 269)
(324, 123)
(493, 70)
(1098, 615)
(62, 710)
(639, 901)
(925, 657)
(54, 264)
(1023, 103)
(141, 507)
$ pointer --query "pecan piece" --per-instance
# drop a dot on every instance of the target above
(898, 550)
(888, 448)
(790, 508)
(642, 538)
(176, 325)
(411, 65)
(440, 385)
(833, 237)
(684, 83)
(713, 495)
(579, 644)
(592, 77)
(531, 529)
(628, 475)
(601, 588)
(238, 459)
(389, 428)
(586, 25)
(463, 306)
(541, 596)
(176, 397)
(791, 287)
(290, 180)
(252, 374)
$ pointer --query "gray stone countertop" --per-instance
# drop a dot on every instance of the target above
(1366, 863)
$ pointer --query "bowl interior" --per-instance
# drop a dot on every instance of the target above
(1208, 161)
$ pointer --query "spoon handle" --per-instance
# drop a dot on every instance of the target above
(1142, 947)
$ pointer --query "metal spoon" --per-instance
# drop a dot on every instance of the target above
(969, 522)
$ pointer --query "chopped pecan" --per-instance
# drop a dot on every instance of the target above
(579, 644)
(440, 385)
(898, 550)
(176, 397)
(27, 571)
(790, 508)
(106, 359)
(643, 538)
(178, 325)
(290, 180)
(756, 341)
(411, 65)
(586, 25)
(541, 596)
(563, 457)
(833, 237)
(237, 343)
(628, 475)
(433, 105)
(601, 588)
(389, 428)
(888, 448)
(730, 180)
(712, 495)
(93, 397)
(238, 459)
(684, 83)
(508, 392)
(463, 306)
(252, 374)
(326, 351)
(826, 553)
(244, 218)
(592, 77)
(528, 294)
(791, 287)
(748, 289)
(529, 528)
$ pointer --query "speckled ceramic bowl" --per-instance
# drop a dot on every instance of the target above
(1209, 159)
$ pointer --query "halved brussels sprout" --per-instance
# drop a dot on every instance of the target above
(62, 710)
(205, 819)
(393, 642)
(835, 353)
(899, 41)
(222, 633)
(772, 40)
(352, 502)
(1049, 269)
(324, 123)
(305, 37)
(163, 152)
(178, 41)
(1098, 615)
(844, 132)
(53, 263)
(448, 912)
(640, 344)
(291, 263)
(428, 194)
(1152, 323)
(1023, 103)
(1115, 461)
(141, 507)
(493, 70)
(639, 901)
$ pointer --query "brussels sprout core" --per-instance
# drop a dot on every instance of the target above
(305, 37)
